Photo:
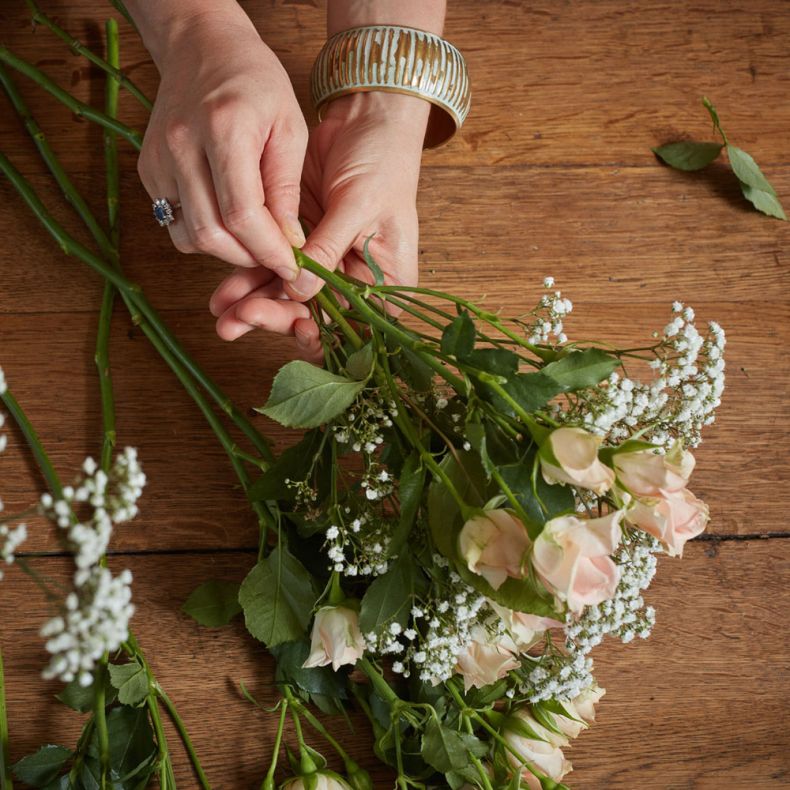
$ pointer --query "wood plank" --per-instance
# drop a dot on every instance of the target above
(699, 704)
(551, 82)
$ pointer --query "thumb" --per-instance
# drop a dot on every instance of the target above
(328, 244)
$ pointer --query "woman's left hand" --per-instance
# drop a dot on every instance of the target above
(359, 181)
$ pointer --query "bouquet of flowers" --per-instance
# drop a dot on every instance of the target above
(475, 503)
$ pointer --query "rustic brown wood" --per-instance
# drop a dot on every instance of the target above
(551, 175)
(698, 705)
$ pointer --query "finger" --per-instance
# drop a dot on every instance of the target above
(200, 221)
(235, 169)
(160, 184)
(273, 315)
(307, 338)
(238, 285)
(281, 171)
(328, 244)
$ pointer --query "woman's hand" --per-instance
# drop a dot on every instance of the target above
(226, 140)
(359, 181)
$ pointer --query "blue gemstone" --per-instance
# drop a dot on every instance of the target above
(160, 213)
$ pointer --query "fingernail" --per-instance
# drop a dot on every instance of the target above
(293, 231)
(306, 284)
(287, 273)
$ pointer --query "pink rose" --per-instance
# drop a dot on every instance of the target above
(336, 638)
(572, 558)
(323, 780)
(536, 746)
(581, 712)
(484, 661)
(493, 544)
(523, 628)
(646, 474)
(576, 454)
(672, 519)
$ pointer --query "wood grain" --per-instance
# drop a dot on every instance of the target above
(552, 174)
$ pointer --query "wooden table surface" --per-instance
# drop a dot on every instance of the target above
(552, 174)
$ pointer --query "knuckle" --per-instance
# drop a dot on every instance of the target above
(223, 117)
(206, 238)
(325, 251)
(238, 218)
(176, 134)
(182, 245)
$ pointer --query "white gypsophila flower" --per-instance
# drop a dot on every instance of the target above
(358, 544)
(10, 540)
(94, 621)
(361, 426)
(625, 615)
(439, 630)
(677, 404)
(555, 676)
(548, 316)
(3, 385)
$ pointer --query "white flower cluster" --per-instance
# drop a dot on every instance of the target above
(625, 615)
(377, 482)
(549, 316)
(10, 540)
(360, 547)
(96, 614)
(362, 425)
(678, 403)
(95, 621)
(440, 630)
(112, 499)
(557, 676)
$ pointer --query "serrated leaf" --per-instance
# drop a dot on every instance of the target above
(390, 597)
(449, 750)
(375, 269)
(764, 201)
(131, 739)
(293, 464)
(360, 363)
(81, 698)
(498, 361)
(306, 396)
(213, 604)
(41, 768)
(131, 680)
(458, 338)
(277, 597)
(688, 155)
(410, 489)
(581, 369)
(747, 170)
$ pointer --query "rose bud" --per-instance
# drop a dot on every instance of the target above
(484, 660)
(672, 519)
(570, 455)
(336, 638)
(323, 780)
(647, 474)
(537, 746)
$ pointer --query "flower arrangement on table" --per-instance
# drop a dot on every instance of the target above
(475, 503)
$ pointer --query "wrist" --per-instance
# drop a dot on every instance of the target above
(346, 14)
(408, 113)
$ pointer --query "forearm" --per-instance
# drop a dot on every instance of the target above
(163, 24)
(422, 14)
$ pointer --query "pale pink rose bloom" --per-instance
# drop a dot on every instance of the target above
(646, 474)
(581, 710)
(544, 755)
(336, 638)
(524, 629)
(576, 452)
(493, 544)
(484, 661)
(571, 556)
(323, 781)
(672, 519)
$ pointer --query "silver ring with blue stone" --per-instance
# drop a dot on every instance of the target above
(164, 212)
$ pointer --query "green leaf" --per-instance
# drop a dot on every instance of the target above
(498, 361)
(131, 680)
(306, 396)
(458, 338)
(581, 369)
(411, 368)
(747, 170)
(321, 681)
(390, 597)
(766, 202)
(360, 363)
(214, 603)
(449, 750)
(294, 463)
(278, 597)
(410, 490)
(42, 767)
(81, 698)
(688, 155)
(378, 275)
(131, 741)
(532, 391)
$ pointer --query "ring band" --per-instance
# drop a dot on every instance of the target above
(164, 211)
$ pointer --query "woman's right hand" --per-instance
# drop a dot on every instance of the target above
(226, 140)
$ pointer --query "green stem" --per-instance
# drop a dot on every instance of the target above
(380, 685)
(317, 725)
(139, 307)
(167, 779)
(6, 782)
(76, 46)
(184, 735)
(268, 780)
(121, 8)
(100, 715)
(79, 108)
(324, 299)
